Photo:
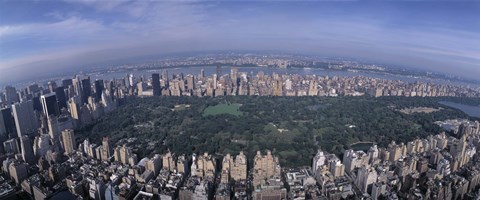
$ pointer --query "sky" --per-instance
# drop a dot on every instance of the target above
(38, 38)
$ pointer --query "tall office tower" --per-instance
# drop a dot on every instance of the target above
(234, 75)
(3, 134)
(49, 104)
(130, 80)
(156, 84)
(8, 122)
(215, 80)
(99, 87)
(61, 97)
(66, 83)
(3, 129)
(54, 132)
(37, 104)
(25, 119)
(11, 146)
(86, 89)
(27, 150)
(77, 88)
(11, 95)
(219, 72)
(74, 108)
(41, 145)
(165, 75)
(23, 94)
(32, 89)
(52, 85)
(202, 73)
(68, 138)
(190, 83)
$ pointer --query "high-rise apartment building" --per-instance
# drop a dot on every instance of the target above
(68, 138)
(167, 162)
(238, 171)
(106, 150)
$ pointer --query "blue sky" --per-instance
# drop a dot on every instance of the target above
(41, 37)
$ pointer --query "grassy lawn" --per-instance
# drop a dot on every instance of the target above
(223, 109)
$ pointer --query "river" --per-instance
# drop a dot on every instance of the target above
(209, 70)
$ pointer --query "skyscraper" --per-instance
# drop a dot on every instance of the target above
(219, 72)
(165, 75)
(37, 104)
(68, 141)
(11, 146)
(52, 85)
(49, 104)
(61, 97)
(11, 95)
(8, 122)
(156, 84)
(190, 82)
(54, 132)
(27, 150)
(86, 89)
(32, 89)
(3, 130)
(99, 86)
(202, 73)
(233, 75)
(106, 150)
(66, 83)
(25, 119)
(74, 108)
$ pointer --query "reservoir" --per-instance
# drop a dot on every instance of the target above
(472, 111)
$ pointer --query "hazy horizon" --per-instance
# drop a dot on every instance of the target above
(39, 38)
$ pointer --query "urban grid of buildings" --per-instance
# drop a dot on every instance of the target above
(42, 159)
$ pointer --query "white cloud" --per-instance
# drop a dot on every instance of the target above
(152, 27)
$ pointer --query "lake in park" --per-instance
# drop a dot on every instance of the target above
(472, 111)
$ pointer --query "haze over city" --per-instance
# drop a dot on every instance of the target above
(239, 100)
(46, 37)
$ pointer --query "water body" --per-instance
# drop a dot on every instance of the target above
(472, 111)
(362, 146)
(209, 70)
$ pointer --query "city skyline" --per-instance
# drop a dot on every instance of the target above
(67, 36)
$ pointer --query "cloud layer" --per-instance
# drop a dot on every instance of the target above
(48, 37)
